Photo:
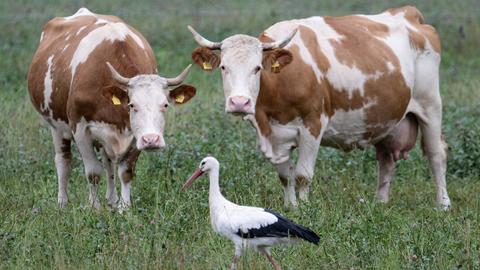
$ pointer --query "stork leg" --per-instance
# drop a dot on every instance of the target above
(267, 254)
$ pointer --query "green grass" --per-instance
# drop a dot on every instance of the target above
(167, 229)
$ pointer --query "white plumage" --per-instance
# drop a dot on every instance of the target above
(247, 227)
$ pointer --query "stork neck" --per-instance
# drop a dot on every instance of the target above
(215, 197)
(214, 186)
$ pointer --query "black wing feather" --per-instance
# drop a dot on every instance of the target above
(284, 227)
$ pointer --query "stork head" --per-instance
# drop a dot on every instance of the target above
(207, 164)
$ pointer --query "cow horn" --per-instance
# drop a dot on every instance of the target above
(279, 43)
(180, 78)
(203, 41)
(119, 78)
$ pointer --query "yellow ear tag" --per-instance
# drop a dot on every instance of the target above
(207, 66)
(275, 66)
(180, 99)
(116, 101)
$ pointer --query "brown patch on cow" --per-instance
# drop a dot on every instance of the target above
(66, 149)
(283, 98)
(283, 180)
(301, 180)
(360, 46)
(93, 179)
(203, 55)
(130, 161)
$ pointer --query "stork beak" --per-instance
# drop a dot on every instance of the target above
(192, 178)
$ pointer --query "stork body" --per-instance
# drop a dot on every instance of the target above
(248, 227)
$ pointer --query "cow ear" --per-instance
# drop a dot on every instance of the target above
(205, 58)
(115, 96)
(276, 59)
(182, 94)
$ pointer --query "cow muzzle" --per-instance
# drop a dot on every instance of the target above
(151, 142)
(239, 104)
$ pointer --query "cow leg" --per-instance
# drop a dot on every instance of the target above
(93, 167)
(63, 160)
(111, 193)
(285, 173)
(308, 147)
(386, 171)
(434, 148)
(126, 172)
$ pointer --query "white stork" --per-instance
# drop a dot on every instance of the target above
(247, 227)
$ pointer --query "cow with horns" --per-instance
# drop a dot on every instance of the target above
(75, 84)
(346, 82)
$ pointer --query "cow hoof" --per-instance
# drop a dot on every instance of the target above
(445, 206)
(95, 203)
(382, 200)
(113, 201)
(444, 203)
(62, 202)
(123, 207)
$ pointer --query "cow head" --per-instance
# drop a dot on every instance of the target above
(149, 97)
(241, 61)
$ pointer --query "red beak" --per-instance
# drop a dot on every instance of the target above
(192, 178)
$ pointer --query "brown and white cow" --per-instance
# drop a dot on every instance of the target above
(346, 82)
(75, 84)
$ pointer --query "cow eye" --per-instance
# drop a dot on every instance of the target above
(222, 67)
(132, 107)
(257, 69)
(166, 105)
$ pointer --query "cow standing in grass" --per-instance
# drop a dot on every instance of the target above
(347, 82)
(75, 84)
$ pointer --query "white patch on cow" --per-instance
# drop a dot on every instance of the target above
(277, 147)
(41, 36)
(390, 66)
(80, 30)
(115, 142)
(348, 127)
(124, 203)
(66, 47)
(81, 12)
(48, 86)
(60, 126)
(101, 21)
(108, 32)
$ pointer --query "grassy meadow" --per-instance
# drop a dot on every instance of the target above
(167, 229)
